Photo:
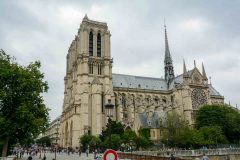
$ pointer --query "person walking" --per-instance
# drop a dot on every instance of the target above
(172, 157)
(204, 157)
(29, 157)
(44, 157)
(87, 152)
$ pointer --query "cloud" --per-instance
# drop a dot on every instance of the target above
(207, 32)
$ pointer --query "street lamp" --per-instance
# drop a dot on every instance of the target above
(109, 113)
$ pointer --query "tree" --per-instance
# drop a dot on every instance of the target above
(89, 141)
(113, 127)
(95, 141)
(115, 141)
(142, 142)
(223, 116)
(23, 114)
(44, 141)
(128, 136)
(212, 135)
(173, 127)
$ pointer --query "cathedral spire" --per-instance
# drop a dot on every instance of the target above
(203, 71)
(184, 67)
(168, 65)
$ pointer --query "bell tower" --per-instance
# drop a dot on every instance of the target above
(88, 82)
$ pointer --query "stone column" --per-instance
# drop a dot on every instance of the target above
(96, 125)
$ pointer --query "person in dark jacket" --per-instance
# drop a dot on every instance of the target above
(172, 157)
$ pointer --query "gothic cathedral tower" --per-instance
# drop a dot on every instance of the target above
(88, 83)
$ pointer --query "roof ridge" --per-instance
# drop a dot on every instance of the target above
(138, 76)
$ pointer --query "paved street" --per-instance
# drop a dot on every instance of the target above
(63, 156)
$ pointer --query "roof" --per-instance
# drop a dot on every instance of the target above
(153, 123)
(150, 83)
(130, 81)
(213, 91)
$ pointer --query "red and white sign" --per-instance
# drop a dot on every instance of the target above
(110, 153)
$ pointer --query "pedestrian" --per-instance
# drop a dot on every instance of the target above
(79, 152)
(204, 157)
(30, 157)
(44, 157)
(172, 157)
(87, 151)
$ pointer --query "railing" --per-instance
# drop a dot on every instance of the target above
(133, 156)
(182, 153)
(8, 158)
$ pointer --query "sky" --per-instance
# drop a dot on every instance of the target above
(205, 31)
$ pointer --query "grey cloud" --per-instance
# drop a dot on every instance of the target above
(32, 30)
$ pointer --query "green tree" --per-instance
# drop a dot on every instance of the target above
(44, 141)
(144, 132)
(115, 141)
(89, 141)
(23, 114)
(173, 127)
(212, 135)
(143, 139)
(128, 136)
(95, 141)
(223, 116)
(142, 142)
(112, 127)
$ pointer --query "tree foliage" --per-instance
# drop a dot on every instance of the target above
(177, 133)
(174, 128)
(44, 141)
(89, 141)
(23, 114)
(222, 116)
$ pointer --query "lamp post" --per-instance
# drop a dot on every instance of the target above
(109, 113)
(55, 151)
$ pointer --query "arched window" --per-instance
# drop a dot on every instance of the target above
(99, 69)
(99, 45)
(91, 44)
(90, 68)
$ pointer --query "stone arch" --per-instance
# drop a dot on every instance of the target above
(66, 135)
(124, 100)
(148, 100)
(156, 100)
(71, 133)
(128, 127)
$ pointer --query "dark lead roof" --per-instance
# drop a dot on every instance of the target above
(149, 83)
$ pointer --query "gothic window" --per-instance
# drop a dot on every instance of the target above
(164, 100)
(198, 98)
(172, 100)
(99, 45)
(91, 44)
(123, 101)
(156, 101)
(90, 68)
(99, 69)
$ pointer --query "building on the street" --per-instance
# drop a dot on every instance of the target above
(138, 101)
(53, 131)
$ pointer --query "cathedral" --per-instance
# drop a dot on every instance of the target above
(138, 102)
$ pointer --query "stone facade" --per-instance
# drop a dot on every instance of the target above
(53, 131)
(139, 102)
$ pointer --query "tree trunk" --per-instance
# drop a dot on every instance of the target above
(5, 148)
